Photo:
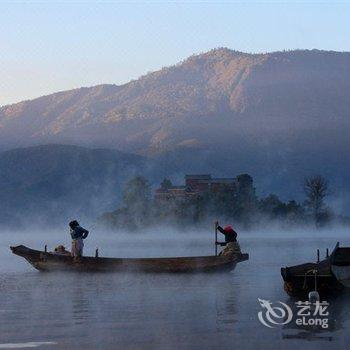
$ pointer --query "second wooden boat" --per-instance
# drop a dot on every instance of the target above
(328, 276)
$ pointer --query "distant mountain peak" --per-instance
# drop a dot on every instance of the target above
(217, 54)
(207, 98)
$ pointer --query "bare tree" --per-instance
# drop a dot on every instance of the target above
(316, 190)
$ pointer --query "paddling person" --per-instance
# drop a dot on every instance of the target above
(78, 234)
(231, 245)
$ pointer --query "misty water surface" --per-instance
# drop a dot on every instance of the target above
(149, 311)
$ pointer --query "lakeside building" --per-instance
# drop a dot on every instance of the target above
(195, 185)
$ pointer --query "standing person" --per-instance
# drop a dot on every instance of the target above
(78, 234)
(231, 244)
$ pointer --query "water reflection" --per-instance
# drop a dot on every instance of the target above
(225, 305)
(80, 304)
(305, 330)
(337, 318)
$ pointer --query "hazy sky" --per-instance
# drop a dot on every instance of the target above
(46, 47)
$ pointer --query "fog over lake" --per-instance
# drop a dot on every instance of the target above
(150, 311)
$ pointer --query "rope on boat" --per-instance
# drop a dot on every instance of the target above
(314, 271)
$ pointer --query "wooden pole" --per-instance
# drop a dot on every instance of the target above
(316, 280)
(318, 255)
(216, 239)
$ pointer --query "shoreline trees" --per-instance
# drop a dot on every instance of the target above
(316, 189)
(242, 206)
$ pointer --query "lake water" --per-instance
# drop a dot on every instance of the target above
(145, 311)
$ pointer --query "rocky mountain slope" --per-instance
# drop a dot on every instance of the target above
(197, 103)
(278, 116)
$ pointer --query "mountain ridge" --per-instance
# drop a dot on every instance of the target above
(277, 116)
(188, 59)
(219, 82)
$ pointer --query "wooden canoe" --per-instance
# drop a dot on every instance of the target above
(46, 261)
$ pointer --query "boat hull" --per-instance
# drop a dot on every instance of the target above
(329, 276)
(300, 285)
(45, 261)
(342, 274)
(340, 265)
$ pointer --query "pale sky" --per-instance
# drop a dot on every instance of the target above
(52, 46)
